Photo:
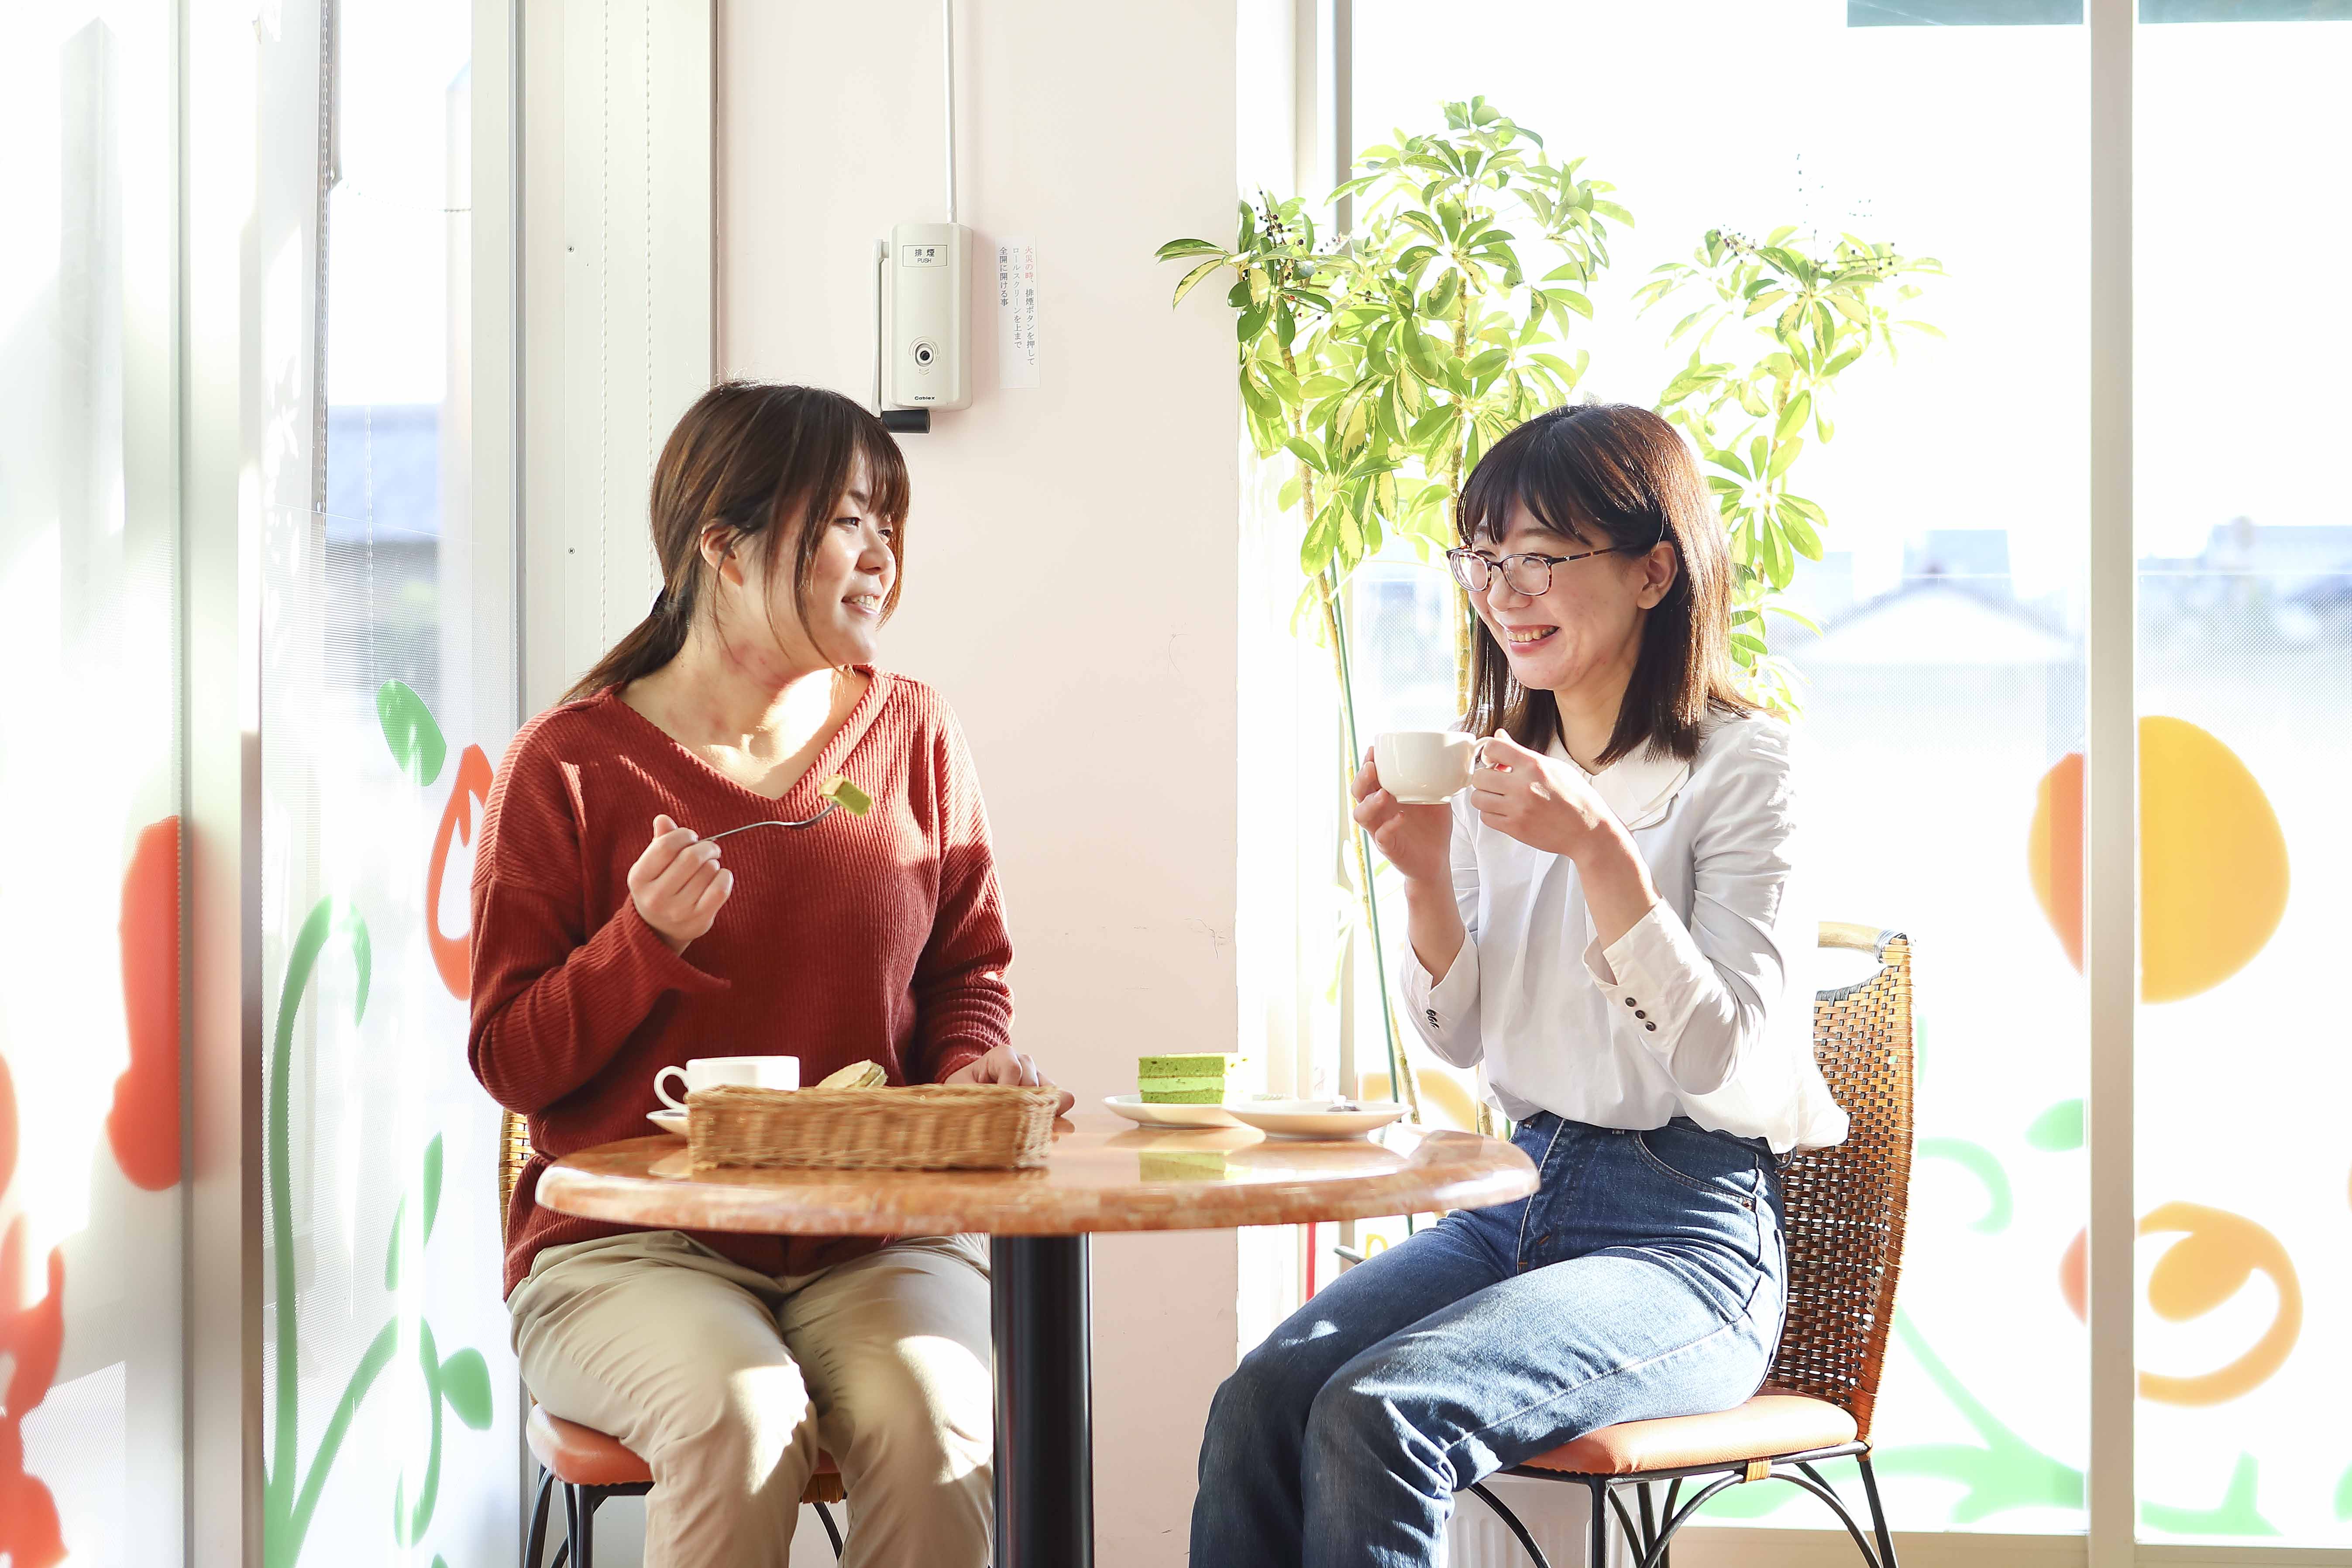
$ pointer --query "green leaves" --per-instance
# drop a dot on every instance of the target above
(1802, 318)
(1382, 365)
(1196, 275)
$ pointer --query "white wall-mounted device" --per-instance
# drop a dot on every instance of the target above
(929, 318)
(922, 295)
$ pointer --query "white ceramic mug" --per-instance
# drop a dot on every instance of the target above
(1424, 767)
(755, 1072)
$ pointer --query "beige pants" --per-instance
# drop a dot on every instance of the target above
(727, 1382)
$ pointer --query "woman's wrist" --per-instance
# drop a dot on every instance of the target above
(1618, 890)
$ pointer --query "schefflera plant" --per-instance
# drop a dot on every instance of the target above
(1381, 367)
(1793, 318)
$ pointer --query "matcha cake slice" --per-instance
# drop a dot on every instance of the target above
(1195, 1079)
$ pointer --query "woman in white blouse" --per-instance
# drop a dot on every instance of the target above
(1612, 919)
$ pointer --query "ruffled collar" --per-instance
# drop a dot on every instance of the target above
(1638, 787)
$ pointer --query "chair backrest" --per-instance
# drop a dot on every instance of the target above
(1845, 1206)
(514, 1153)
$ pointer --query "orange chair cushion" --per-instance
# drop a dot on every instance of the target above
(584, 1456)
(1765, 1427)
(581, 1455)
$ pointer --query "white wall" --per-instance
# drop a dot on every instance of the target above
(1072, 575)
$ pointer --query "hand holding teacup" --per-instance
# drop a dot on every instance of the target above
(1401, 793)
(1543, 802)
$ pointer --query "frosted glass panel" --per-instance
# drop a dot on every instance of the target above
(2245, 683)
(90, 1231)
(391, 1420)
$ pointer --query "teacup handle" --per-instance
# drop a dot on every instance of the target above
(663, 1094)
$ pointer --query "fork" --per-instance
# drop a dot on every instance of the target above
(823, 811)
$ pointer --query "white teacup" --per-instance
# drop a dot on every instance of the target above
(706, 1072)
(1424, 767)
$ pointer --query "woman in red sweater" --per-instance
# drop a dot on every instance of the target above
(612, 938)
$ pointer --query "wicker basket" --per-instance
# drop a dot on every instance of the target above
(926, 1127)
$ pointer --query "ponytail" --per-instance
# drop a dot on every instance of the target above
(647, 646)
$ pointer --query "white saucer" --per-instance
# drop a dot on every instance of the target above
(1133, 1107)
(671, 1122)
(1307, 1118)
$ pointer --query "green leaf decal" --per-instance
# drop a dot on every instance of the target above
(408, 728)
(1977, 1160)
(432, 1184)
(465, 1384)
(2058, 1129)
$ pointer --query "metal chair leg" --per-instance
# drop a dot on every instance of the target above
(583, 1539)
(570, 1523)
(1511, 1520)
(535, 1543)
(831, 1530)
(1596, 1548)
(1877, 1513)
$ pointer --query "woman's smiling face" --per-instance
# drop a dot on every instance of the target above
(1588, 626)
(850, 580)
(839, 623)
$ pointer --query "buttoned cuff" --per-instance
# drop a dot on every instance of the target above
(1440, 1004)
(1645, 974)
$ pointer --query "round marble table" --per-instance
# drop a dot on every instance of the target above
(1103, 1175)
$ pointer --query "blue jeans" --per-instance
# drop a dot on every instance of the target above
(1643, 1279)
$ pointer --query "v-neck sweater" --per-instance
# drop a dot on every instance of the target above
(876, 938)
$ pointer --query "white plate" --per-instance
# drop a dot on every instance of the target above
(671, 1122)
(1133, 1107)
(1313, 1118)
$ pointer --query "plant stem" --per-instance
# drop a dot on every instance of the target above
(1458, 608)
(1329, 594)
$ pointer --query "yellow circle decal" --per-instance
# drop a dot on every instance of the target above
(2212, 861)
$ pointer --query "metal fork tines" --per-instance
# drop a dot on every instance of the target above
(824, 812)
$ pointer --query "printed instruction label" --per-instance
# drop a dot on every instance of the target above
(1016, 313)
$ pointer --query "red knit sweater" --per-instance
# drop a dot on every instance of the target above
(878, 938)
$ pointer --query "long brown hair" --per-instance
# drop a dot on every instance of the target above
(767, 462)
(1618, 478)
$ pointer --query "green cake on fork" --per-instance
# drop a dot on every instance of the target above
(1196, 1079)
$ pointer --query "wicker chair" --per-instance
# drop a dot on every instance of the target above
(1845, 1210)
(592, 1467)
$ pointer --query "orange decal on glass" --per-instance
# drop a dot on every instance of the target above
(453, 955)
(2218, 1252)
(2054, 852)
(30, 1339)
(2072, 1269)
(2213, 863)
(144, 1125)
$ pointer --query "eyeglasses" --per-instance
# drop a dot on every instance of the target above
(1527, 574)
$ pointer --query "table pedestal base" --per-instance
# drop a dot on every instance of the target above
(1045, 1420)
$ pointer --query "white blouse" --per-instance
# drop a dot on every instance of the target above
(1703, 1009)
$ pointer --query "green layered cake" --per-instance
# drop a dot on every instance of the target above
(1198, 1079)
